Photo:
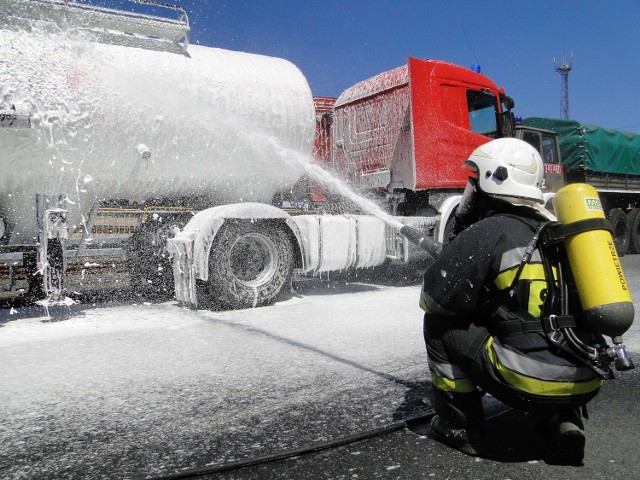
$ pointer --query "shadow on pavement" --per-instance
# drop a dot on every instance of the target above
(510, 439)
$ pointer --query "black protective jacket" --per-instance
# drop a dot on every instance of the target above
(473, 278)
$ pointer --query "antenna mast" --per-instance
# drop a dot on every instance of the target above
(563, 69)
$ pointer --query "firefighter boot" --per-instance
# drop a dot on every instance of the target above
(564, 434)
(459, 421)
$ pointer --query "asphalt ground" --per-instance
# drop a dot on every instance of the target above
(141, 390)
(514, 450)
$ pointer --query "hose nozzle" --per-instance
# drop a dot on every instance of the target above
(420, 240)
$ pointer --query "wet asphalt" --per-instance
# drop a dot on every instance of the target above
(514, 450)
(100, 415)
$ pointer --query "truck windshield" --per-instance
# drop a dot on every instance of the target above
(483, 113)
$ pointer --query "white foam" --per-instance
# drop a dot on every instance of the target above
(112, 121)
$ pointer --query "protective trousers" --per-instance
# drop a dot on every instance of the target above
(460, 366)
(450, 343)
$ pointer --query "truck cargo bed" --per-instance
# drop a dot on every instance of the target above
(606, 155)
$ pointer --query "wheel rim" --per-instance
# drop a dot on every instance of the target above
(253, 259)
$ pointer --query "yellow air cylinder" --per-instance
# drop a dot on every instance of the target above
(594, 262)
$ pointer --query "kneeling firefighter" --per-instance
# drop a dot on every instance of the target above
(504, 315)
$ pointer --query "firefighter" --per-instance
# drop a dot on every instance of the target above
(482, 323)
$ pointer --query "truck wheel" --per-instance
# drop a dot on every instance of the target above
(633, 223)
(249, 265)
(621, 232)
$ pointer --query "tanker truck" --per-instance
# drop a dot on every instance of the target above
(114, 130)
(607, 159)
(120, 139)
(399, 139)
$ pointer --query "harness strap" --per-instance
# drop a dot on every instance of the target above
(553, 323)
(476, 344)
(559, 232)
(530, 248)
(520, 327)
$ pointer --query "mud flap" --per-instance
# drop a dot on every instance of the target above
(184, 273)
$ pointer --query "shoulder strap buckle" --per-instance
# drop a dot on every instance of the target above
(553, 323)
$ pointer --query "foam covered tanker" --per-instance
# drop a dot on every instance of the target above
(121, 141)
(112, 121)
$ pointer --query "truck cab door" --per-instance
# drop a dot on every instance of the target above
(546, 143)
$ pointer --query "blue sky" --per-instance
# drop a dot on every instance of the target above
(337, 43)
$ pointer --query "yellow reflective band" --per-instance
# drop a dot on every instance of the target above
(531, 271)
(460, 385)
(537, 292)
(536, 386)
(423, 303)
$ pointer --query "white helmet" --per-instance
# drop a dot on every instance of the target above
(510, 169)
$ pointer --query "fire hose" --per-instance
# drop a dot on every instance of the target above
(421, 240)
(339, 442)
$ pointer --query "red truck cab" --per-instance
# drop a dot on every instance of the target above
(411, 128)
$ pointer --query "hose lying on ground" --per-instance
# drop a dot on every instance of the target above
(339, 442)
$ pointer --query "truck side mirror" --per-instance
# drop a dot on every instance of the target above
(507, 101)
(507, 123)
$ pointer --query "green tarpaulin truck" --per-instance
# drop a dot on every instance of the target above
(607, 159)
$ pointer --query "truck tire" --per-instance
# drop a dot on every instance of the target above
(621, 231)
(250, 265)
(633, 223)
